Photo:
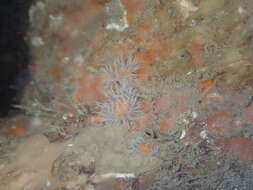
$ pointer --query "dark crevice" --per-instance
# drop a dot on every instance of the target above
(14, 53)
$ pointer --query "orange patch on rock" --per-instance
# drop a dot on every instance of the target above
(89, 87)
(157, 46)
(219, 121)
(143, 32)
(217, 115)
(71, 22)
(95, 119)
(56, 72)
(133, 7)
(166, 123)
(181, 104)
(144, 60)
(240, 147)
(17, 129)
(75, 22)
(145, 147)
(122, 47)
(154, 47)
(211, 95)
(205, 84)
(197, 54)
(66, 51)
(175, 103)
(96, 5)
(99, 41)
(248, 114)
(161, 104)
(102, 45)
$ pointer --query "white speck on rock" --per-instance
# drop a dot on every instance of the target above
(114, 26)
(203, 134)
(117, 16)
(183, 134)
(37, 41)
(241, 10)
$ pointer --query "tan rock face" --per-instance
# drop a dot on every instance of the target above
(31, 165)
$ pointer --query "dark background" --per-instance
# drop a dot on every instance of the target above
(14, 52)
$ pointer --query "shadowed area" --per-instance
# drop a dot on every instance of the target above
(14, 52)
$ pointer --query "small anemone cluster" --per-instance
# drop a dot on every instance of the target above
(121, 105)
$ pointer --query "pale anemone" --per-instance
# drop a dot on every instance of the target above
(121, 110)
(121, 72)
(121, 105)
(141, 146)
